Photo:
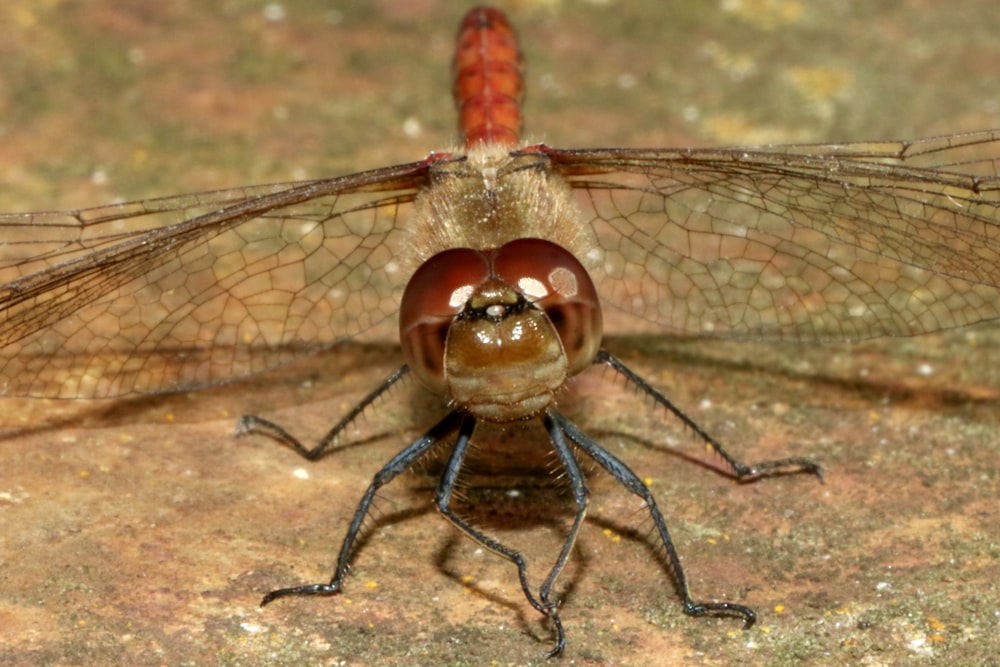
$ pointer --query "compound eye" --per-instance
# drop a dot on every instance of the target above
(437, 292)
(553, 279)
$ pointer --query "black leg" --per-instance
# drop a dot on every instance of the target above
(617, 469)
(740, 471)
(446, 489)
(399, 463)
(578, 483)
(254, 424)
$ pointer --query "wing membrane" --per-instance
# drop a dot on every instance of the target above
(812, 242)
(187, 291)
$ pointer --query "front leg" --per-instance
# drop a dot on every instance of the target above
(254, 424)
(399, 463)
(445, 491)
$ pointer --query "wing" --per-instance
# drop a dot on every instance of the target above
(811, 242)
(793, 242)
(175, 293)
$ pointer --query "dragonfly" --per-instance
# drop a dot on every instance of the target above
(493, 264)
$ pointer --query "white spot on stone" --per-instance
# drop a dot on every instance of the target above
(412, 127)
(626, 81)
(274, 12)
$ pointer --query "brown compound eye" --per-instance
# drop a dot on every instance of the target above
(553, 279)
(437, 291)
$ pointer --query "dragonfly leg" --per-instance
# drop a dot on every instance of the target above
(399, 463)
(254, 424)
(578, 483)
(624, 475)
(740, 471)
(443, 496)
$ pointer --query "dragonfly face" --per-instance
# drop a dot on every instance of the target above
(500, 332)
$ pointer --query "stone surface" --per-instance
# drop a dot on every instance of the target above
(140, 532)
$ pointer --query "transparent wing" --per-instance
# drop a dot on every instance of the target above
(811, 242)
(187, 291)
(793, 242)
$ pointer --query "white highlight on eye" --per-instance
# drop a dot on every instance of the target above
(532, 287)
(564, 281)
(460, 295)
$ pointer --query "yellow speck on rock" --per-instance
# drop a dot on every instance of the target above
(819, 84)
(765, 14)
(25, 18)
(731, 128)
(935, 624)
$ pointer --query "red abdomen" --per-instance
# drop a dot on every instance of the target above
(488, 79)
